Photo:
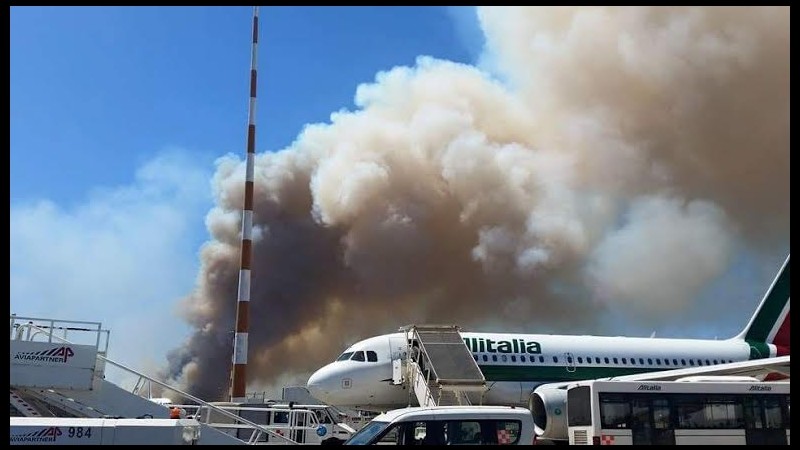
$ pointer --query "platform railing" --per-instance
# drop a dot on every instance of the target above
(258, 430)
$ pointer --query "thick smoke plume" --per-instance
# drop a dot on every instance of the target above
(622, 158)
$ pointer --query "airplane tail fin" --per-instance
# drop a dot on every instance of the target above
(768, 329)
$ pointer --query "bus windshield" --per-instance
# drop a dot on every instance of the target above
(365, 435)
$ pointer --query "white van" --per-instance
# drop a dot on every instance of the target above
(449, 425)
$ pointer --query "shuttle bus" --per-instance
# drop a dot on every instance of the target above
(693, 411)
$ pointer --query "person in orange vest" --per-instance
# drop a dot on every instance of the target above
(174, 413)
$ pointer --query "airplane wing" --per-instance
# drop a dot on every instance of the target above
(754, 368)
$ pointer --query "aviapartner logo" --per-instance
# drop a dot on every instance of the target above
(58, 354)
(48, 434)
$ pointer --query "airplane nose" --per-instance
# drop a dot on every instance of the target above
(316, 385)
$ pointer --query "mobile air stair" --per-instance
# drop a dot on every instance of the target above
(440, 367)
(57, 380)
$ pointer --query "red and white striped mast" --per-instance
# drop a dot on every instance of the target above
(239, 371)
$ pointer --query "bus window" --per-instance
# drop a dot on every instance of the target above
(772, 413)
(723, 412)
(752, 413)
(690, 413)
(661, 414)
(615, 411)
(579, 406)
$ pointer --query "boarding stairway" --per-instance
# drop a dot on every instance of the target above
(439, 367)
(56, 376)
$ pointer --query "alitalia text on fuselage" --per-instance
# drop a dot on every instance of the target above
(516, 345)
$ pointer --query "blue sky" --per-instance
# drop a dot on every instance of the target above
(117, 116)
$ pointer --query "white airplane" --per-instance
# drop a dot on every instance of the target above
(514, 365)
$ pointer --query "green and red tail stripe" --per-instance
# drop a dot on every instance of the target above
(768, 330)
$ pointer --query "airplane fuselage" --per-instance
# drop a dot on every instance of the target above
(515, 364)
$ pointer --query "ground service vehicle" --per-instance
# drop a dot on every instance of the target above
(449, 425)
(678, 413)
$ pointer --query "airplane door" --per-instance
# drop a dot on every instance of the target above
(397, 371)
(396, 354)
(397, 348)
(569, 361)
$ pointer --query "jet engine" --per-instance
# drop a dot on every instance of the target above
(548, 405)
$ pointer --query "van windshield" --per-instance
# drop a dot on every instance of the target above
(365, 435)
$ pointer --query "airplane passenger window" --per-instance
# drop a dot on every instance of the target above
(541, 359)
(504, 358)
(658, 361)
(666, 361)
(597, 360)
(357, 356)
(606, 360)
(345, 356)
(555, 359)
(513, 358)
(372, 356)
(616, 361)
(494, 358)
(475, 357)
(715, 361)
(522, 358)
(641, 361)
(708, 363)
(569, 359)
(624, 361)
(683, 362)
(691, 362)
(588, 360)
(649, 361)
(580, 360)
(699, 362)
(674, 361)
(485, 358)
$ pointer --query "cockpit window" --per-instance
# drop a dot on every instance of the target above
(372, 356)
(358, 356)
(345, 356)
